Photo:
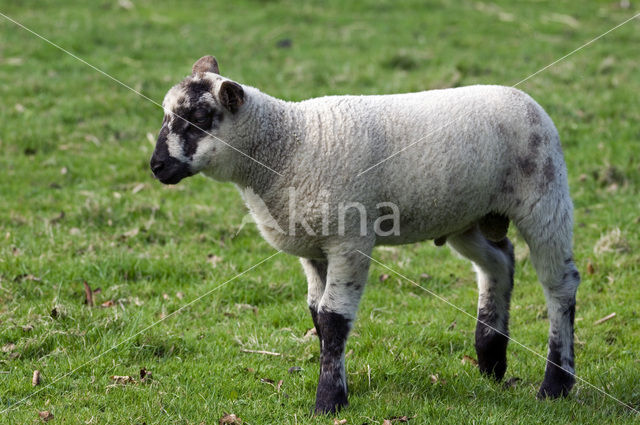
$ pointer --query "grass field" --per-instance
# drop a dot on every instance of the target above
(78, 204)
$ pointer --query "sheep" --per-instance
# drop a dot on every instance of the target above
(327, 179)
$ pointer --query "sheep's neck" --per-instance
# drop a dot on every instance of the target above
(271, 131)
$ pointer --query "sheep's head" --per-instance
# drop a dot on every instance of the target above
(197, 112)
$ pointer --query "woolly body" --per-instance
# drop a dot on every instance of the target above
(455, 165)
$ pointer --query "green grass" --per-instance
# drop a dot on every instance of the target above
(73, 141)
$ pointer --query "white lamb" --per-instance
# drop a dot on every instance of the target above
(462, 163)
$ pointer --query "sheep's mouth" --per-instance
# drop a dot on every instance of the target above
(173, 173)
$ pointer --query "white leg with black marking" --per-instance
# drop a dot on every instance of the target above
(346, 275)
(560, 280)
(493, 263)
(548, 230)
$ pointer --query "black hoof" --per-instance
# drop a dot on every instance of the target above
(551, 389)
(330, 401)
(326, 409)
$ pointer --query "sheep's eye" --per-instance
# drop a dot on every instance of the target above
(201, 117)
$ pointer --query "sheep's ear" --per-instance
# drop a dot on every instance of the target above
(231, 95)
(206, 64)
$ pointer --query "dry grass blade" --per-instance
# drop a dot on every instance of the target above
(605, 318)
(267, 353)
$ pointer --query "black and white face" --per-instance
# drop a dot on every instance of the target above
(192, 133)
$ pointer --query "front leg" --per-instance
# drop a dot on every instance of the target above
(347, 272)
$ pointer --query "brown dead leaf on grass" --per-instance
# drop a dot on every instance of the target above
(137, 188)
(247, 307)
(7, 348)
(28, 277)
(614, 241)
(590, 268)
(88, 294)
(213, 260)
(130, 234)
(145, 375)
(45, 415)
(398, 419)
(35, 380)
(384, 277)
(337, 421)
(230, 419)
(469, 360)
(122, 379)
(107, 304)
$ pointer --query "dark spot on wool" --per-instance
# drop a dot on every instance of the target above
(505, 183)
(506, 187)
(568, 260)
(502, 131)
(349, 284)
(527, 166)
(534, 143)
(532, 113)
(548, 170)
(357, 287)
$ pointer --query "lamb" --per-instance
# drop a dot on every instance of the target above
(316, 179)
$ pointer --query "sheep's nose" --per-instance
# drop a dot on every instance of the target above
(157, 167)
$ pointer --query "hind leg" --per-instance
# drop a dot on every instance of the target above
(316, 272)
(549, 239)
(560, 279)
(494, 264)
